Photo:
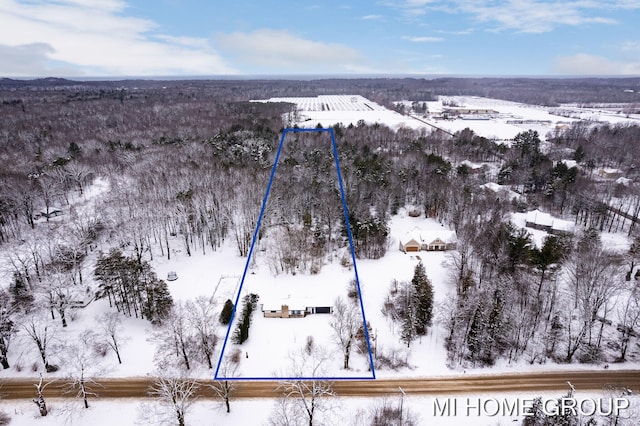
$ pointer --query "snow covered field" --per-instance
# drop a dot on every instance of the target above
(346, 109)
(509, 119)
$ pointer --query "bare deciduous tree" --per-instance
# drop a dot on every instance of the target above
(175, 337)
(202, 319)
(42, 333)
(594, 276)
(345, 323)
(39, 400)
(628, 321)
(223, 389)
(83, 366)
(175, 394)
(110, 324)
(303, 401)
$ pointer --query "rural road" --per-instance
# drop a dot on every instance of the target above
(509, 383)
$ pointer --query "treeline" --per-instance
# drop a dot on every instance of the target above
(538, 91)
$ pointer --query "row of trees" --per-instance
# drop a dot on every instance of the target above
(249, 304)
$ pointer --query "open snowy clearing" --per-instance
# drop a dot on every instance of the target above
(329, 110)
(503, 124)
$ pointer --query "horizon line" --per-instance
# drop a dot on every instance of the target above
(311, 77)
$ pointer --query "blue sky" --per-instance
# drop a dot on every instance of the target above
(262, 37)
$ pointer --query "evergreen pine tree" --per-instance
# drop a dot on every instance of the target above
(241, 334)
(566, 416)
(423, 299)
(22, 297)
(107, 272)
(227, 311)
(74, 150)
(7, 327)
(554, 335)
(495, 325)
(536, 415)
(408, 333)
(474, 334)
(163, 300)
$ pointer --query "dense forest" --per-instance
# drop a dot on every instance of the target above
(186, 161)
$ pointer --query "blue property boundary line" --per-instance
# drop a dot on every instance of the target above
(353, 259)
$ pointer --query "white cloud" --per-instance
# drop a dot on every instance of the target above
(280, 50)
(371, 17)
(27, 60)
(533, 16)
(585, 64)
(631, 46)
(95, 38)
(423, 39)
(530, 16)
(417, 3)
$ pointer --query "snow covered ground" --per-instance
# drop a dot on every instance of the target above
(496, 409)
(216, 274)
(346, 109)
(509, 119)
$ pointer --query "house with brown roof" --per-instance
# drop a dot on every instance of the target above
(419, 240)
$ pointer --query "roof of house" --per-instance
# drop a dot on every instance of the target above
(569, 163)
(425, 237)
(473, 166)
(539, 218)
(545, 219)
(274, 303)
(623, 181)
(51, 210)
(610, 171)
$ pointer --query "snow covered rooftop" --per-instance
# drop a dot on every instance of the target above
(623, 181)
(425, 236)
(541, 219)
(569, 163)
(300, 303)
